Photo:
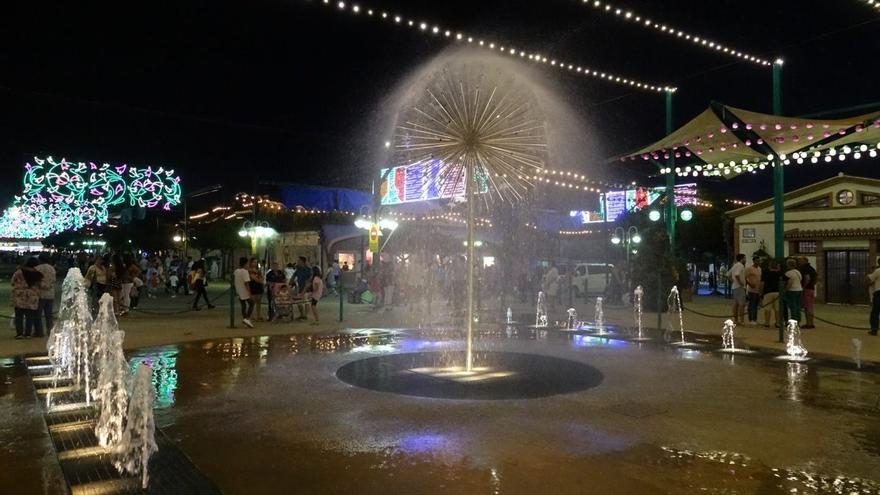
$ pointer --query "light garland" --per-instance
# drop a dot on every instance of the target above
(856, 151)
(449, 217)
(630, 16)
(434, 30)
(738, 202)
(577, 232)
(62, 195)
(711, 142)
(873, 3)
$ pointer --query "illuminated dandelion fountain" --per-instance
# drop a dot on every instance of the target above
(485, 129)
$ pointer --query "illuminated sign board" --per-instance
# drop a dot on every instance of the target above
(424, 181)
(619, 202)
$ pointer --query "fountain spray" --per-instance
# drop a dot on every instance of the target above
(794, 346)
(68, 344)
(674, 304)
(138, 441)
(599, 317)
(727, 335)
(857, 352)
(541, 310)
(637, 309)
(572, 319)
(111, 390)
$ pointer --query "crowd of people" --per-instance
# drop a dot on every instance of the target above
(298, 285)
(756, 286)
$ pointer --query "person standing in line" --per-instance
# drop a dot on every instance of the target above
(47, 290)
(120, 284)
(793, 290)
(753, 289)
(274, 277)
(26, 300)
(241, 279)
(134, 274)
(874, 279)
(301, 276)
(96, 277)
(257, 287)
(315, 292)
(770, 288)
(738, 288)
(808, 297)
(550, 285)
(200, 285)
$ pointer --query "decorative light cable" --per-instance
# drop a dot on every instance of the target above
(630, 16)
(579, 232)
(738, 202)
(62, 195)
(856, 151)
(437, 31)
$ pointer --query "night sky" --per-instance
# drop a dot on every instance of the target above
(289, 90)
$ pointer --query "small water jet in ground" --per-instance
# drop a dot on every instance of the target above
(728, 343)
(598, 325)
(69, 344)
(509, 316)
(637, 311)
(138, 441)
(857, 352)
(541, 311)
(794, 346)
(676, 311)
(572, 322)
(111, 390)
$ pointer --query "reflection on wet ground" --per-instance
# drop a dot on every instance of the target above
(268, 415)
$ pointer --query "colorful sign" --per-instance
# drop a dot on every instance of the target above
(619, 202)
(424, 181)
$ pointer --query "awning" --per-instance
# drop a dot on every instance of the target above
(727, 141)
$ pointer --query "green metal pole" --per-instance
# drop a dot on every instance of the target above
(670, 179)
(778, 196)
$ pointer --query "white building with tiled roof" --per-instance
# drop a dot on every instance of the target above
(835, 223)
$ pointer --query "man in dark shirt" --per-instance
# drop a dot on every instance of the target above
(770, 289)
(808, 296)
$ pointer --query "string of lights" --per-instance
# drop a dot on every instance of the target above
(628, 15)
(723, 140)
(745, 166)
(435, 30)
(873, 3)
(738, 202)
(578, 232)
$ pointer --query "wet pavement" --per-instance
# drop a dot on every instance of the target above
(269, 415)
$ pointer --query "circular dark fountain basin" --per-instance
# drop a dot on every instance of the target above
(496, 375)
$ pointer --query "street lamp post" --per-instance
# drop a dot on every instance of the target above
(256, 231)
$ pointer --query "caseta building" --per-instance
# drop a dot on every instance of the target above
(835, 223)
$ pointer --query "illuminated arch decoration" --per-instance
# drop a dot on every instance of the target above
(62, 195)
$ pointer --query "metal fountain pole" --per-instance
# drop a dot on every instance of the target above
(470, 177)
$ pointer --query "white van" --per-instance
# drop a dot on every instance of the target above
(591, 278)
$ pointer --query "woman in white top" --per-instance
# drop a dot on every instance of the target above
(793, 290)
